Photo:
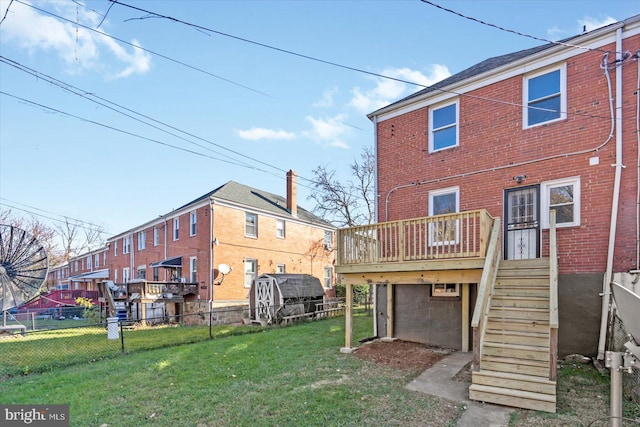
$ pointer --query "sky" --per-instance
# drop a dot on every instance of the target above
(116, 113)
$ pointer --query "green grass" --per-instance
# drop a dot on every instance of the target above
(275, 377)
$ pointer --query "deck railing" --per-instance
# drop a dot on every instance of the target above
(457, 235)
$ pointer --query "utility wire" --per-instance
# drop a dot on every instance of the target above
(471, 18)
(144, 49)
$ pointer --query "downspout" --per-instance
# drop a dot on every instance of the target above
(210, 254)
(606, 288)
(377, 219)
(165, 245)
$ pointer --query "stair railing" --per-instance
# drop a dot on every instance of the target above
(553, 296)
(485, 289)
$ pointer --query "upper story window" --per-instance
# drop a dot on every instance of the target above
(176, 228)
(250, 225)
(126, 245)
(142, 240)
(193, 220)
(104, 258)
(89, 261)
(545, 97)
(280, 231)
(115, 248)
(563, 196)
(443, 126)
(97, 261)
(328, 240)
(156, 236)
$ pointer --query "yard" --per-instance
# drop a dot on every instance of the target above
(279, 376)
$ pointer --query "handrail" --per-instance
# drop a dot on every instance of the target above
(447, 236)
(485, 288)
(553, 296)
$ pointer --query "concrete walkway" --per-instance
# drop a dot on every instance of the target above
(437, 381)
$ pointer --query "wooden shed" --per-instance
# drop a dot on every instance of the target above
(273, 296)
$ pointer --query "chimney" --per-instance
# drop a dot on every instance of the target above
(292, 193)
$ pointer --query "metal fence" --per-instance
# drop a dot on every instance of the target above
(618, 336)
(42, 347)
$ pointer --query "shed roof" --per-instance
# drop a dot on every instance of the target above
(297, 285)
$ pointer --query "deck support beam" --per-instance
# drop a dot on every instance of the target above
(465, 316)
(348, 319)
(390, 310)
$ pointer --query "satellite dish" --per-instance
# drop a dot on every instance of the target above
(23, 266)
(224, 269)
(628, 305)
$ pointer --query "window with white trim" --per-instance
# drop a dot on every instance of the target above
(115, 248)
(126, 245)
(142, 240)
(97, 261)
(176, 228)
(250, 271)
(328, 277)
(104, 258)
(141, 272)
(193, 265)
(545, 97)
(156, 236)
(193, 221)
(328, 240)
(563, 196)
(280, 230)
(443, 126)
(125, 274)
(250, 225)
(89, 262)
(280, 269)
(156, 274)
(442, 202)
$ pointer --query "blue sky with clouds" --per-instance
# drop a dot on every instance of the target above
(94, 128)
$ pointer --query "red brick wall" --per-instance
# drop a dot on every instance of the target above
(492, 140)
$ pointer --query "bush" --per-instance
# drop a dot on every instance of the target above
(90, 312)
(360, 292)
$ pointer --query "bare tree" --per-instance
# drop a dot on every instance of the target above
(78, 238)
(350, 203)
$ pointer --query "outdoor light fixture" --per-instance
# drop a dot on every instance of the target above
(519, 178)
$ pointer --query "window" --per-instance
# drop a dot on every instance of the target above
(193, 220)
(280, 228)
(280, 269)
(115, 248)
(125, 274)
(442, 202)
(75, 266)
(443, 124)
(328, 240)
(563, 196)
(104, 258)
(156, 274)
(115, 275)
(250, 225)
(445, 290)
(126, 245)
(250, 270)
(545, 97)
(142, 240)
(193, 263)
(141, 272)
(89, 262)
(97, 261)
(328, 277)
(176, 228)
(156, 236)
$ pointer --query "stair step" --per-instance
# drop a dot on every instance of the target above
(522, 282)
(530, 383)
(520, 301)
(516, 313)
(514, 366)
(516, 351)
(533, 291)
(523, 264)
(518, 325)
(515, 398)
(538, 339)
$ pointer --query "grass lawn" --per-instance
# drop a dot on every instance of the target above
(276, 377)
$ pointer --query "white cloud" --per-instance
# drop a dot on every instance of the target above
(388, 90)
(592, 23)
(328, 131)
(255, 134)
(31, 30)
(327, 98)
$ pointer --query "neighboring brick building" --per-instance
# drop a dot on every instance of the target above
(249, 230)
(551, 127)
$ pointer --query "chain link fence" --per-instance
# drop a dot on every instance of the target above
(618, 336)
(32, 345)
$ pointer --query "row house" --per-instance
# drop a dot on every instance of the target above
(507, 204)
(223, 240)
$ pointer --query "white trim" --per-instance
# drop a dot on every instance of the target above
(191, 269)
(193, 223)
(563, 94)
(440, 192)
(244, 225)
(545, 202)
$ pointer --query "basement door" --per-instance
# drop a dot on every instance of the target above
(522, 224)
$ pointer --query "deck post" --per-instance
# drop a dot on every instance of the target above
(465, 316)
(389, 310)
(348, 319)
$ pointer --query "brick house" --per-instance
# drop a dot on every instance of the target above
(468, 172)
(248, 230)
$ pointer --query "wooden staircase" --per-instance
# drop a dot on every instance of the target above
(517, 357)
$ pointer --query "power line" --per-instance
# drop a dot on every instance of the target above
(144, 49)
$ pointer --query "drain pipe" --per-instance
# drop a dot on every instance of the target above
(606, 287)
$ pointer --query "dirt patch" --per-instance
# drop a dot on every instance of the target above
(405, 355)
